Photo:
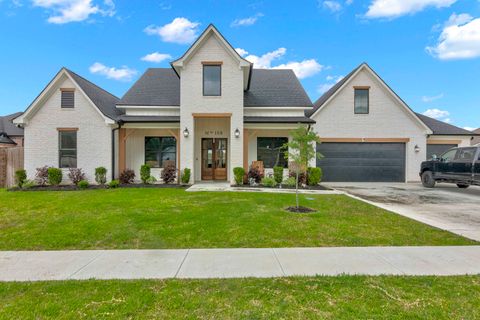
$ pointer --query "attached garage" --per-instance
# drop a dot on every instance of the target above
(362, 161)
(438, 149)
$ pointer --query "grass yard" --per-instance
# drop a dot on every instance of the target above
(173, 218)
(345, 297)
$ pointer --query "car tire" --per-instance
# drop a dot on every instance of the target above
(427, 179)
(463, 186)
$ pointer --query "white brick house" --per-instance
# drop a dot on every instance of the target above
(212, 111)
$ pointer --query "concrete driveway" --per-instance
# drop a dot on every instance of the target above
(445, 206)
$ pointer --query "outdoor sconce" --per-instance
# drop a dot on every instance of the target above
(416, 148)
(237, 133)
(185, 132)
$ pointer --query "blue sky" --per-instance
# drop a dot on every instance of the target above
(428, 51)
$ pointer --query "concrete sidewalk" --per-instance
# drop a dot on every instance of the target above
(237, 263)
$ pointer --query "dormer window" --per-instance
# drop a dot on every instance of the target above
(361, 103)
(212, 79)
(68, 98)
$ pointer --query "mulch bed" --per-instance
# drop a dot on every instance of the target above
(317, 187)
(96, 187)
(300, 209)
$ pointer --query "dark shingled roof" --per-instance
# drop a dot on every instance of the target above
(277, 120)
(104, 100)
(271, 88)
(156, 87)
(7, 126)
(161, 87)
(442, 128)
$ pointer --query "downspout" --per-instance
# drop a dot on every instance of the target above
(120, 124)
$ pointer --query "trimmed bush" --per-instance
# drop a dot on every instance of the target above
(169, 173)
(76, 175)
(238, 173)
(186, 175)
(101, 175)
(255, 174)
(314, 176)
(269, 182)
(41, 176)
(127, 176)
(83, 184)
(114, 184)
(20, 177)
(55, 176)
(278, 174)
(145, 173)
(290, 182)
(302, 177)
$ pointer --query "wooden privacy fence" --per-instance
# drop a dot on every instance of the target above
(11, 160)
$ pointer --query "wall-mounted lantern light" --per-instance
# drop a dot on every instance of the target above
(237, 133)
(416, 148)
(185, 132)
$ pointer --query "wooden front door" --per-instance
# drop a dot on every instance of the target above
(214, 159)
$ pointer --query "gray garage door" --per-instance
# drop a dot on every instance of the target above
(438, 149)
(362, 162)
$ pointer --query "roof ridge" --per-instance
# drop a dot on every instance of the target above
(90, 82)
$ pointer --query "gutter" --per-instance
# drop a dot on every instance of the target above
(120, 124)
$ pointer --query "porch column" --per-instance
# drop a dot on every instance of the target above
(122, 154)
(245, 149)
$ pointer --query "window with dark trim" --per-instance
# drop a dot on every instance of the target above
(361, 101)
(212, 80)
(160, 151)
(271, 151)
(68, 99)
(67, 149)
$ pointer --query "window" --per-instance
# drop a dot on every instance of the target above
(361, 101)
(68, 99)
(449, 155)
(465, 154)
(272, 152)
(160, 151)
(67, 147)
(212, 80)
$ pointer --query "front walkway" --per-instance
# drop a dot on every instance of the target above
(237, 263)
(225, 186)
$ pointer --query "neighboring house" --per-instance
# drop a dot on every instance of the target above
(476, 140)
(10, 134)
(212, 111)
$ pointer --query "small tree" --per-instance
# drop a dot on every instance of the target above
(300, 150)
(144, 173)
(101, 175)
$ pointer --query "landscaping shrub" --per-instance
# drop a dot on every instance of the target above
(55, 176)
(83, 184)
(27, 184)
(101, 175)
(114, 184)
(290, 182)
(186, 175)
(269, 182)
(238, 173)
(76, 175)
(169, 173)
(20, 177)
(302, 177)
(41, 176)
(151, 180)
(278, 174)
(255, 174)
(144, 173)
(314, 176)
(127, 176)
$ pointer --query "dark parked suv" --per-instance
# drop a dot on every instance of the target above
(458, 165)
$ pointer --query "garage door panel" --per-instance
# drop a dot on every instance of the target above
(362, 162)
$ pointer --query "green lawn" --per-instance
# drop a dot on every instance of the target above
(173, 218)
(353, 297)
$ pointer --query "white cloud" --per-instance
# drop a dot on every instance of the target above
(397, 8)
(124, 73)
(331, 81)
(265, 61)
(438, 114)
(428, 99)
(156, 57)
(246, 21)
(180, 30)
(241, 52)
(65, 11)
(470, 128)
(302, 69)
(333, 6)
(460, 39)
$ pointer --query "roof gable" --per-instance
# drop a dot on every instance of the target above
(323, 101)
(7, 126)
